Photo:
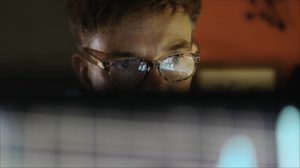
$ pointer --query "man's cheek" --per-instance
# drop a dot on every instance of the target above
(183, 86)
(99, 78)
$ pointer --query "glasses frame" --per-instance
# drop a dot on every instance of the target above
(89, 54)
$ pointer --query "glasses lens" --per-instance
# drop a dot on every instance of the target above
(127, 71)
(176, 68)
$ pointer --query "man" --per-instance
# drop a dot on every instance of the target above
(140, 45)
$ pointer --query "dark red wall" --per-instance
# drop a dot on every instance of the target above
(226, 37)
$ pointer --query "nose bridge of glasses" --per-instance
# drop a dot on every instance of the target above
(151, 64)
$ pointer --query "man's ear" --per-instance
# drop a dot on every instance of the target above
(195, 82)
(195, 47)
(195, 44)
(81, 68)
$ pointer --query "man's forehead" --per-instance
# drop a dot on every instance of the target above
(154, 32)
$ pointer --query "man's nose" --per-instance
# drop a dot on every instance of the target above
(153, 81)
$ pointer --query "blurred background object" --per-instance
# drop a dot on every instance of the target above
(177, 132)
(288, 137)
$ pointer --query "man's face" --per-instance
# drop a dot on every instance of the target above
(148, 38)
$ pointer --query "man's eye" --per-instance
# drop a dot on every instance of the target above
(125, 64)
(122, 64)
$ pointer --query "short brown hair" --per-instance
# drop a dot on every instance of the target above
(90, 15)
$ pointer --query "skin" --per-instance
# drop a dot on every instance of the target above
(149, 37)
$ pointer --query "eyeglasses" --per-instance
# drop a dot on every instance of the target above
(129, 71)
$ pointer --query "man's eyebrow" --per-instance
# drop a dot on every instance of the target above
(93, 52)
(177, 44)
(121, 54)
(115, 53)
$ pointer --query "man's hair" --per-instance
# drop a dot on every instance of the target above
(87, 16)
